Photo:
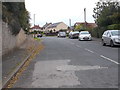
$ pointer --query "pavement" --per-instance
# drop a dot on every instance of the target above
(13, 60)
(69, 63)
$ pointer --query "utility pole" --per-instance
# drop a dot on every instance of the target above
(70, 22)
(34, 19)
(85, 17)
(85, 14)
(34, 27)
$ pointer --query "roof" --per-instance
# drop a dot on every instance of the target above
(36, 27)
(46, 25)
(92, 25)
(54, 25)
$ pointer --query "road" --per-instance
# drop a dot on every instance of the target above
(69, 63)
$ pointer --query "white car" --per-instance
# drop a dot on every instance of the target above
(84, 35)
(111, 37)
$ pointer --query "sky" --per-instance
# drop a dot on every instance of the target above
(60, 11)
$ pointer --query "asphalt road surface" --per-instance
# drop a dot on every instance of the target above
(69, 63)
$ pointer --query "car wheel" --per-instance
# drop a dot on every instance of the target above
(111, 43)
(103, 43)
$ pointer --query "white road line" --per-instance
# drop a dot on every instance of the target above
(109, 59)
(78, 46)
(89, 50)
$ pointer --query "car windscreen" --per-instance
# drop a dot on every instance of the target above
(84, 32)
(115, 33)
(62, 32)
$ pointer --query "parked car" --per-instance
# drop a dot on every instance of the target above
(74, 34)
(39, 35)
(111, 37)
(62, 34)
(84, 35)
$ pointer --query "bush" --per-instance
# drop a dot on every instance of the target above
(97, 32)
(114, 26)
(51, 34)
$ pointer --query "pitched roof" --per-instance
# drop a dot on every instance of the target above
(54, 25)
(92, 25)
(46, 25)
(36, 27)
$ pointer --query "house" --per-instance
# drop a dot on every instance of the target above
(45, 27)
(35, 28)
(55, 27)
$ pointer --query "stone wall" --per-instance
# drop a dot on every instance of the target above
(9, 41)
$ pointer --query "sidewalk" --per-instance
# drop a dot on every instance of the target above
(96, 39)
(12, 61)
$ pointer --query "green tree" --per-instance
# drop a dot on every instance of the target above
(16, 15)
(107, 13)
(107, 16)
(79, 27)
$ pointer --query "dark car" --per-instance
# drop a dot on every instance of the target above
(73, 35)
(39, 35)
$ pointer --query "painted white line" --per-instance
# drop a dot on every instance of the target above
(78, 46)
(89, 50)
(109, 59)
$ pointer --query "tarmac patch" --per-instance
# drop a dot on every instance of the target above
(56, 73)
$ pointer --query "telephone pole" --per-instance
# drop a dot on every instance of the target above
(85, 14)
(85, 17)
(34, 19)
(70, 22)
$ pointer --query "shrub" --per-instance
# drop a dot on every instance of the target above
(114, 26)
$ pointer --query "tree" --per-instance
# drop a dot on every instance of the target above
(16, 15)
(107, 16)
(80, 27)
(107, 13)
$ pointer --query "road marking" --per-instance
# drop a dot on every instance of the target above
(78, 46)
(89, 50)
(109, 59)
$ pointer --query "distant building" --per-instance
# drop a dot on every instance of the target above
(45, 27)
(55, 27)
(35, 28)
(88, 25)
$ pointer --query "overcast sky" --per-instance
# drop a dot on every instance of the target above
(60, 10)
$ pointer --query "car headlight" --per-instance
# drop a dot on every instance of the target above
(117, 40)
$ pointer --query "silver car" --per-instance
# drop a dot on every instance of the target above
(74, 34)
(62, 34)
(111, 37)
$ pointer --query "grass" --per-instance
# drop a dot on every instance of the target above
(36, 38)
